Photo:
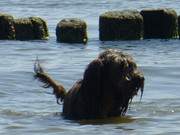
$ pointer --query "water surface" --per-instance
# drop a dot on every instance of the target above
(26, 108)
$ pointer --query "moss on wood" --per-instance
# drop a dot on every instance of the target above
(31, 28)
(71, 30)
(40, 28)
(160, 23)
(120, 25)
(24, 29)
(179, 26)
(6, 26)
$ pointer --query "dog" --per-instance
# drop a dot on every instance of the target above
(108, 86)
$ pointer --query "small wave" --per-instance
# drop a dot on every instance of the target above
(2, 94)
(156, 108)
(13, 113)
(15, 126)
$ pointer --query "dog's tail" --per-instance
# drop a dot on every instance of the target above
(41, 75)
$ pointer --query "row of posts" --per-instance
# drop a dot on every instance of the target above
(113, 25)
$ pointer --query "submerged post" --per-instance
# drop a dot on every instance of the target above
(40, 28)
(7, 30)
(23, 29)
(179, 26)
(160, 23)
(31, 28)
(120, 25)
(71, 30)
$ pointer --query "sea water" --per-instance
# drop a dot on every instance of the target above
(28, 109)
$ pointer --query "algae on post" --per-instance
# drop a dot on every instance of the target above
(7, 30)
(40, 28)
(160, 23)
(120, 25)
(24, 29)
(31, 28)
(71, 30)
(179, 26)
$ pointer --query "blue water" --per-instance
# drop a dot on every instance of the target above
(26, 108)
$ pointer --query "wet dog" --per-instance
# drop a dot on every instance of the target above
(108, 86)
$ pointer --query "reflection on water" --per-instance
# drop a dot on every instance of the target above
(113, 120)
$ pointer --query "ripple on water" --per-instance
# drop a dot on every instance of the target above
(15, 126)
(27, 109)
(16, 114)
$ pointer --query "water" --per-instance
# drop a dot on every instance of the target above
(26, 108)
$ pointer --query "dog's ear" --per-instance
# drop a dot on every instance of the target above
(92, 77)
(91, 86)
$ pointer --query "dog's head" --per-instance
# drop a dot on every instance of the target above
(110, 82)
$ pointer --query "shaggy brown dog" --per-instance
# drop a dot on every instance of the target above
(108, 86)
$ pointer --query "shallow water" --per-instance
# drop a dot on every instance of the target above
(26, 108)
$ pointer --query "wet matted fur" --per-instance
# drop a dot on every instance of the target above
(108, 86)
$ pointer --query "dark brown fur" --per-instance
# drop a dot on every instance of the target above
(108, 86)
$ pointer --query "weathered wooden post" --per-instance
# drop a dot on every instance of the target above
(72, 30)
(120, 25)
(160, 23)
(7, 30)
(30, 28)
